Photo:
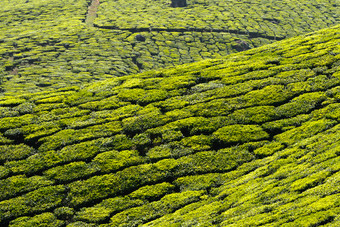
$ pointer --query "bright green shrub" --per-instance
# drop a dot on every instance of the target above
(80, 224)
(36, 201)
(152, 192)
(301, 104)
(169, 150)
(142, 97)
(14, 152)
(325, 203)
(41, 220)
(147, 118)
(12, 102)
(193, 125)
(4, 172)
(213, 161)
(25, 108)
(70, 136)
(127, 179)
(76, 152)
(34, 163)
(198, 143)
(200, 182)
(255, 115)
(309, 181)
(64, 213)
(286, 124)
(4, 140)
(304, 131)
(240, 133)
(55, 99)
(15, 122)
(178, 114)
(104, 104)
(80, 97)
(272, 94)
(314, 219)
(103, 210)
(142, 214)
(177, 82)
(333, 111)
(20, 183)
(33, 132)
(218, 107)
(171, 103)
(49, 106)
(8, 112)
(114, 160)
(70, 172)
(268, 149)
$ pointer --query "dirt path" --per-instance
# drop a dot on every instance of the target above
(92, 13)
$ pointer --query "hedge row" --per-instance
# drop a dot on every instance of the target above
(184, 145)
(47, 45)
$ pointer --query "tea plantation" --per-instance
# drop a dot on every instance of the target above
(51, 44)
(251, 139)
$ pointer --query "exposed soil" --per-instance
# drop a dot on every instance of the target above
(92, 13)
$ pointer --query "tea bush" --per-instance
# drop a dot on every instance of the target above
(249, 139)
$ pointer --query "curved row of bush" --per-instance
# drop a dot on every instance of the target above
(252, 139)
(45, 45)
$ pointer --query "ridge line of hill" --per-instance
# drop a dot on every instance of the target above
(238, 32)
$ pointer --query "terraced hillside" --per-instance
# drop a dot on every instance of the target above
(50, 44)
(249, 140)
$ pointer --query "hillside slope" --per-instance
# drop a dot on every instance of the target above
(249, 140)
(49, 44)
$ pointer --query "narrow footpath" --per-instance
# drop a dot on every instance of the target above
(92, 13)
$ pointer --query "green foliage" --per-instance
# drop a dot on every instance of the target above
(39, 200)
(152, 192)
(200, 182)
(64, 213)
(113, 160)
(48, 45)
(18, 184)
(103, 210)
(304, 131)
(301, 104)
(69, 172)
(14, 152)
(248, 139)
(142, 214)
(240, 133)
(269, 149)
(309, 181)
(255, 115)
(41, 220)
